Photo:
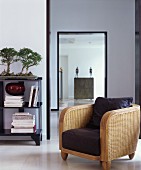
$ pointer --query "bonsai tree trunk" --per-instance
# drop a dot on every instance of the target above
(8, 68)
(26, 70)
(22, 70)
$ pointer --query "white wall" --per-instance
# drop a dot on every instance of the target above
(117, 17)
(23, 24)
(63, 63)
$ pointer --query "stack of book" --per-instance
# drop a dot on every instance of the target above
(13, 101)
(23, 122)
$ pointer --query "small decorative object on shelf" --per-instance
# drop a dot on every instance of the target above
(61, 69)
(61, 83)
(77, 71)
(15, 88)
(90, 71)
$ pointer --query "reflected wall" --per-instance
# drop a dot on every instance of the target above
(85, 51)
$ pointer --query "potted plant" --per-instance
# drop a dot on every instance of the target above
(28, 59)
(8, 56)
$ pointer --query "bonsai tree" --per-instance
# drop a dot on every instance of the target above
(8, 56)
(28, 59)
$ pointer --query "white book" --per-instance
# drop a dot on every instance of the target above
(13, 105)
(24, 121)
(28, 130)
(13, 102)
(13, 97)
(21, 113)
(23, 117)
(30, 96)
(23, 125)
(36, 96)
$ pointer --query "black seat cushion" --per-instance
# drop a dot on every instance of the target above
(102, 105)
(84, 140)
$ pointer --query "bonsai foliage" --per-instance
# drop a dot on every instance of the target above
(28, 59)
(9, 56)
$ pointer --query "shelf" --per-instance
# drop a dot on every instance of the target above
(20, 78)
(7, 132)
(39, 104)
(37, 137)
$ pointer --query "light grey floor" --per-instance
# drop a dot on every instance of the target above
(21, 155)
(72, 102)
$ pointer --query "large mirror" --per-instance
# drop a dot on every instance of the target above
(82, 66)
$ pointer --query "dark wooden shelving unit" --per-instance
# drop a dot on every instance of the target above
(37, 136)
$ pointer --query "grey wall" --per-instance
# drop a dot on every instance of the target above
(117, 17)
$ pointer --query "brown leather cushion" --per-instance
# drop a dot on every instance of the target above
(82, 140)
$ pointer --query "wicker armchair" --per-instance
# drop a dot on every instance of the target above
(119, 132)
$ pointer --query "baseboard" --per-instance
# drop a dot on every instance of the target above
(54, 109)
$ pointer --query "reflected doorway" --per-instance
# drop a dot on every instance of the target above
(87, 52)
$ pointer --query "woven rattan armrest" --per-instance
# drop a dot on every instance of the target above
(74, 117)
(119, 132)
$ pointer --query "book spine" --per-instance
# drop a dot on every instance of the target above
(33, 97)
(21, 113)
(23, 117)
(13, 130)
(36, 96)
(30, 96)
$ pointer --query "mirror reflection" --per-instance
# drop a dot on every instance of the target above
(82, 65)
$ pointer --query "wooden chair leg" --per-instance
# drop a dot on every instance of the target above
(106, 165)
(64, 155)
(131, 156)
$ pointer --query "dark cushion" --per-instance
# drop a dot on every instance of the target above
(84, 140)
(102, 105)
